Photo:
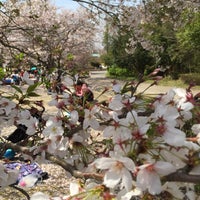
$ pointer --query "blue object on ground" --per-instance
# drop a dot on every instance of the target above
(9, 154)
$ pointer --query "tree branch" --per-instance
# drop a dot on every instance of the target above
(66, 166)
(72, 171)
(181, 176)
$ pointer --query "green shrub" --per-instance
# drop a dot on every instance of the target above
(119, 72)
(188, 78)
(2, 73)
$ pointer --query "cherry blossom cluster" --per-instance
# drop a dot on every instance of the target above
(130, 144)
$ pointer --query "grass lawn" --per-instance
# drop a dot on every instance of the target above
(178, 83)
(167, 81)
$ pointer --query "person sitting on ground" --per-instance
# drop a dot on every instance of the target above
(83, 91)
(16, 78)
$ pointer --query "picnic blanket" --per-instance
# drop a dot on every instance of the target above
(27, 170)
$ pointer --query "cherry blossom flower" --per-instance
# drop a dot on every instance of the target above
(116, 87)
(173, 188)
(178, 110)
(196, 129)
(77, 138)
(58, 145)
(11, 118)
(119, 131)
(177, 157)
(116, 103)
(54, 101)
(53, 128)
(124, 195)
(39, 196)
(172, 135)
(90, 119)
(27, 79)
(139, 124)
(118, 134)
(165, 118)
(24, 114)
(165, 99)
(185, 113)
(105, 115)
(7, 177)
(148, 176)
(183, 104)
(54, 119)
(116, 126)
(6, 106)
(31, 124)
(75, 187)
(118, 171)
(59, 102)
(166, 113)
(180, 95)
(74, 117)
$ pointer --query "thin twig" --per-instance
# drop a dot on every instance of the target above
(21, 190)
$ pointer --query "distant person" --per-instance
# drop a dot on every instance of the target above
(83, 91)
(21, 73)
(7, 80)
(16, 78)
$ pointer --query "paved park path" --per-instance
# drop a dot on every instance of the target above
(98, 81)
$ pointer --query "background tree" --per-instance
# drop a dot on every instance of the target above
(189, 40)
(45, 36)
(154, 24)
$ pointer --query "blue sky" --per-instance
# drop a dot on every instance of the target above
(66, 4)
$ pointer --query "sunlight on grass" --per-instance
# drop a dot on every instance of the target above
(167, 81)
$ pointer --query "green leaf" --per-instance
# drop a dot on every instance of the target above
(31, 88)
(1, 4)
(17, 89)
(33, 94)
